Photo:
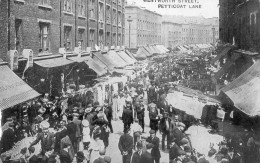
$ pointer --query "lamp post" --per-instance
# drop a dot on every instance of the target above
(129, 21)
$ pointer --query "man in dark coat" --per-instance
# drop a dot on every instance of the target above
(155, 150)
(8, 138)
(71, 130)
(109, 113)
(137, 155)
(140, 115)
(152, 95)
(47, 141)
(126, 145)
(178, 134)
(65, 156)
(167, 125)
(174, 151)
(154, 118)
(79, 129)
(59, 135)
(146, 155)
(127, 116)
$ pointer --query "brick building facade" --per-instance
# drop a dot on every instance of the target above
(178, 30)
(240, 21)
(145, 26)
(47, 25)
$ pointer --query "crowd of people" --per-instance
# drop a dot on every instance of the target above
(80, 132)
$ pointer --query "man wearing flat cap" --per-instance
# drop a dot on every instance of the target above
(79, 129)
(174, 150)
(140, 115)
(166, 126)
(154, 117)
(127, 115)
(178, 133)
(126, 145)
(155, 150)
(137, 155)
(146, 155)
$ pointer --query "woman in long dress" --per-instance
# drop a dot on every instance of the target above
(115, 106)
(121, 103)
(95, 144)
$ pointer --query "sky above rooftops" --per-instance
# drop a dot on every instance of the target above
(207, 8)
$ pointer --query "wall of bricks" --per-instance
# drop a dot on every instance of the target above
(31, 13)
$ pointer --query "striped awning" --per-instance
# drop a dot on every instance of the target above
(13, 90)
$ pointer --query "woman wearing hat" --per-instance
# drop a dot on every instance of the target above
(86, 134)
(95, 144)
(115, 106)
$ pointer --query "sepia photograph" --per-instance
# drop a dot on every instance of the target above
(130, 81)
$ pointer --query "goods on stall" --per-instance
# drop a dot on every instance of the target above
(15, 152)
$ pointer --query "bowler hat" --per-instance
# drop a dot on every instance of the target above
(149, 146)
(152, 132)
(80, 155)
(184, 141)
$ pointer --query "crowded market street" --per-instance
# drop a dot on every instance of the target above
(160, 109)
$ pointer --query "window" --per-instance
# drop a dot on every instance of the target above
(92, 9)
(119, 19)
(44, 37)
(119, 40)
(91, 38)
(123, 39)
(100, 39)
(101, 11)
(81, 36)
(108, 14)
(108, 39)
(114, 17)
(18, 34)
(67, 38)
(45, 2)
(114, 39)
(81, 8)
(68, 6)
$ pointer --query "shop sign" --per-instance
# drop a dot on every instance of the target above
(13, 59)
(28, 54)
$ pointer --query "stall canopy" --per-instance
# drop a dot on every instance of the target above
(160, 49)
(117, 60)
(221, 54)
(164, 48)
(104, 59)
(149, 50)
(99, 62)
(54, 62)
(244, 91)
(130, 54)
(98, 68)
(141, 53)
(13, 90)
(128, 59)
(155, 49)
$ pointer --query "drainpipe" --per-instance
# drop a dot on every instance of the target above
(9, 25)
(60, 24)
(76, 30)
